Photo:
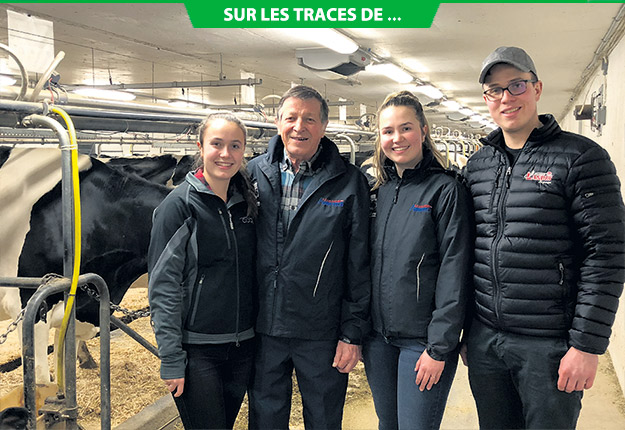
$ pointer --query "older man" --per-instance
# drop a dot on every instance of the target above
(313, 268)
(549, 257)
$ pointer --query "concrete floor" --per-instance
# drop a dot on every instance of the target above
(603, 406)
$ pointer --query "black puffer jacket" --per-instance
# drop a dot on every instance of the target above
(422, 249)
(314, 281)
(550, 237)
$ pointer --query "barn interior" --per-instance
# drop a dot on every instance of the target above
(137, 79)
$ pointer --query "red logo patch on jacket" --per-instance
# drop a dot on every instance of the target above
(328, 202)
(421, 208)
(542, 177)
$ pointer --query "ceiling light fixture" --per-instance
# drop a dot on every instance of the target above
(451, 105)
(6, 81)
(328, 37)
(104, 94)
(391, 71)
(466, 111)
(415, 65)
(184, 104)
(430, 91)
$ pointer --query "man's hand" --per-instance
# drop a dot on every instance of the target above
(175, 386)
(346, 357)
(577, 370)
(428, 371)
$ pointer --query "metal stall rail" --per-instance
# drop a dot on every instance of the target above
(63, 407)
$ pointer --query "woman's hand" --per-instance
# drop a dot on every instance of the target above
(428, 371)
(175, 386)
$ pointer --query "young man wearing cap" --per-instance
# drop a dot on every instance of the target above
(549, 256)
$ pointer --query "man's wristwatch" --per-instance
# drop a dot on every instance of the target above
(345, 339)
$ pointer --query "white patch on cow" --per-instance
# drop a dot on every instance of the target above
(25, 177)
(461, 161)
(367, 167)
(84, 332)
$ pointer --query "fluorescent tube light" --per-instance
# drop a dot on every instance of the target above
(415, 65)
(328, 37)
(391, 71)
(451, 105)
(430, 91)
(466, 111)
(6, 81)
(104, 94)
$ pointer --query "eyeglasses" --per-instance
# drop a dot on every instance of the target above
(516, 88)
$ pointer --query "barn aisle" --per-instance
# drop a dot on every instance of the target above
(603, 406)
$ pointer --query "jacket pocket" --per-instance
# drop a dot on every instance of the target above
(196, 300)
(566, 293)
(323, 262)
(419, 276)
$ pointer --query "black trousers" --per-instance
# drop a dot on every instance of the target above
(514, 380)
(216, 379)
(322, 387)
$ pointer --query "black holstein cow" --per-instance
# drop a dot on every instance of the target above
(117, 211)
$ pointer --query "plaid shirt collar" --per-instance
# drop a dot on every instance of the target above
(305, 167)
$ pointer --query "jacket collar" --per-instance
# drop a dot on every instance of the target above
(538, 136)
(328, 158)
(428, 163)
(200, 187)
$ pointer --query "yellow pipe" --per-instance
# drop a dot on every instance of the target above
(60, 368)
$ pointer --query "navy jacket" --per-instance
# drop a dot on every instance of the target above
(550, 246)
(314, 281)
(422, 250)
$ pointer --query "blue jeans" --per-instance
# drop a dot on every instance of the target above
(322, 387)
(216, 379)
(398, 401)
(514, 380)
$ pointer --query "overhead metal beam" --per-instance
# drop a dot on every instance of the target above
(174, 84)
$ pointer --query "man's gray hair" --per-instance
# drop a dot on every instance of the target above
(304, 92)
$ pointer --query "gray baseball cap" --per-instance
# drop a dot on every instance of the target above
(510, 55)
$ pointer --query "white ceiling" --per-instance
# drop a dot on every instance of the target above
(141, 43)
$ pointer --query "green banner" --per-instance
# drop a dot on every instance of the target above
(329, 14)
(318, 14)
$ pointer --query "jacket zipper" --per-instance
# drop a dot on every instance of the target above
(388, 216)
(419, 277)
(501, 207)
(196, 299)
(223, 222)
(275, 293)
(561, 268)
(323, 262)
(396, 192)
(236, 265)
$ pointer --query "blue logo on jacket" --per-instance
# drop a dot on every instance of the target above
(421, 208)
(327, 202)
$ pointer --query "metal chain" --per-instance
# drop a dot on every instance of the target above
(92, 293)
(130, 313)
(13, 326)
